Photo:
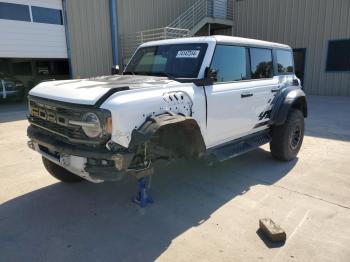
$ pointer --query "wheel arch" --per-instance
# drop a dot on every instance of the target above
(291, 97)
(182, 130)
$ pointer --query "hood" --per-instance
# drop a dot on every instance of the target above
(90, 91)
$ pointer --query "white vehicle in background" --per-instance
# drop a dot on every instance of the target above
(213, 97)
(11, 88)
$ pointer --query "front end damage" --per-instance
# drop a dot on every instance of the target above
(59, 131)
(56, 131)
(93, 164)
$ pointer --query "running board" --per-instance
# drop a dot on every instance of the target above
(240, 146)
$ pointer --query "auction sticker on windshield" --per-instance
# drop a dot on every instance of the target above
(187, 54)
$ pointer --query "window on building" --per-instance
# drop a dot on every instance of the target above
(338, 58)
(47, 15)
(261, 63)
(284, 61)
(230, 63)
(14, 12)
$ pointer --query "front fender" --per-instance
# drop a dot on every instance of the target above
(130, 110)
(290, 97)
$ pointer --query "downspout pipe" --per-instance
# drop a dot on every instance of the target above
(66, 29)
(114, 30)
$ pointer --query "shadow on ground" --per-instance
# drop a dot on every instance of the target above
(13, 111)
(98, 222)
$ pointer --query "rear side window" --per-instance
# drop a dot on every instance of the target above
(230, 63)
(261, 63)
(14, 12)
(284, 61)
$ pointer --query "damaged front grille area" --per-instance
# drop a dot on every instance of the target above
(54, 117)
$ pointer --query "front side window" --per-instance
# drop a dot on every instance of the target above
(230, 63)
(338, 58)
(14, 12)
(284, 61)
(261, 63)
(46, 15)
(179, 60)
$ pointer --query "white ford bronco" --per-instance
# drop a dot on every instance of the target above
(212, 97)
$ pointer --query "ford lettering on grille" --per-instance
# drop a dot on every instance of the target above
(46, 113)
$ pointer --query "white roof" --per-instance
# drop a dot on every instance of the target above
(219, 39)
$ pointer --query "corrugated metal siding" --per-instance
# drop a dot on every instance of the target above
(138, 15)
(24, 39)
(306, 24)
(90, 37)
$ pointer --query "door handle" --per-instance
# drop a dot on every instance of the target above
(274, 90)
(244, 95)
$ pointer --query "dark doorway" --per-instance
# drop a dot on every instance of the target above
(299, 62)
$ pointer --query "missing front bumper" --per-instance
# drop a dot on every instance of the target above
(95, 165)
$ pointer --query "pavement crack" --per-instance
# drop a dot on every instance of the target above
(314, 197)
(300, 193)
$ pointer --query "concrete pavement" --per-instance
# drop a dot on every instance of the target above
(199, 214)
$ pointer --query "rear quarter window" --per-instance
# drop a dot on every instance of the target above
(284, 61)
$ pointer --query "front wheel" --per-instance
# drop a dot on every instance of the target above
(288, 138)
(60, 173)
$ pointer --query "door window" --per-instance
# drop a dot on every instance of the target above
(230, 63)
(261, 63)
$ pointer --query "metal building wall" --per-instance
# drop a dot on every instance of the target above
(138, 15)
(89, 37)
(306, 24)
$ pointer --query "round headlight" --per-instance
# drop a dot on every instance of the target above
(91, 127)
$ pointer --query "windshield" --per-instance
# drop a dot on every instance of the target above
(179, 61)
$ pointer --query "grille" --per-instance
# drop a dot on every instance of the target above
(55, 119)
(69, 132)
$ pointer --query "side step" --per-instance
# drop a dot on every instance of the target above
(240, 146)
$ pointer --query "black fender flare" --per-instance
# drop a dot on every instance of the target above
(289, 97)
(168, 120)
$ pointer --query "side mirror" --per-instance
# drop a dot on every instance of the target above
(115, 70)
(211, 74)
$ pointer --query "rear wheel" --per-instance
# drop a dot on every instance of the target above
(60, 173)
(288, 138)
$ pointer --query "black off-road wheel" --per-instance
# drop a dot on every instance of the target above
(288, 138)
(60, 173)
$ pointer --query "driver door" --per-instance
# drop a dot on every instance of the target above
(230, 102)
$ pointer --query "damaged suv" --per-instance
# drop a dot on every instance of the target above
(212, 97)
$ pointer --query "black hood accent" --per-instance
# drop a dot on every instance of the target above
(118, 83)
(109, 93)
